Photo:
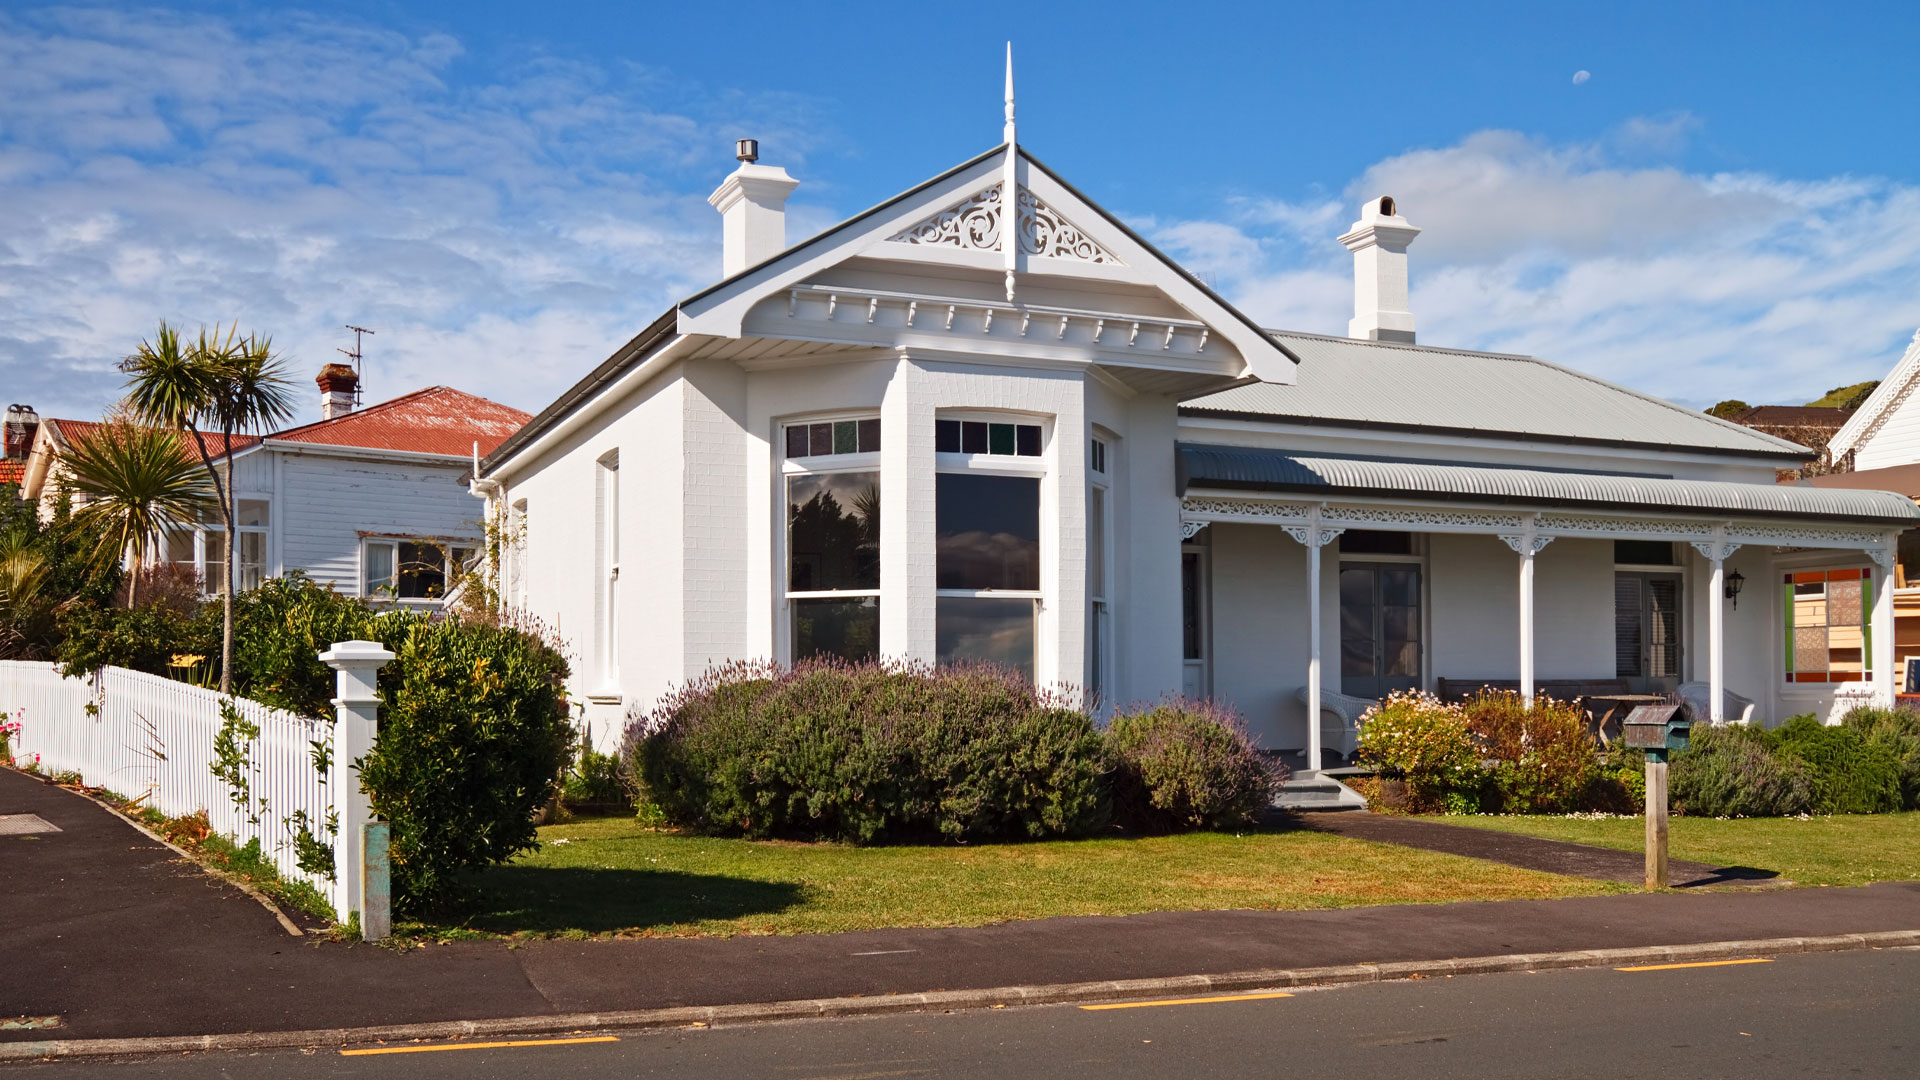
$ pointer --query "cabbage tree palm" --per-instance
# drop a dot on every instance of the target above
(229, 385)
(138, 482)
(26, 611)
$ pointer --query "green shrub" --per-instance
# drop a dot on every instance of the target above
(1730, 771)
(867, 753)
(1418, 738)
(145, 638)
(1188, 765)
(594, 778)
(1545, 761)
(1898, 731)
(473, 733)
(1851, 774)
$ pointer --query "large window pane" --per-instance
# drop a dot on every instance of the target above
(833, 531)
(1192, 633)
(252, 512)
(423, 571)
(379, 568)
(993, 629)
(253, 559)
(988, 531)
(1356, 622)
(848, 629)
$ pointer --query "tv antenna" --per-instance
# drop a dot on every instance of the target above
(355, 355)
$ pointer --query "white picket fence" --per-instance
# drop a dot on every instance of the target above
(152, 738)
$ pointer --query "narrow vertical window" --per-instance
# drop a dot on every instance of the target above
(514, 547)
(1098, 624)
(607, 551)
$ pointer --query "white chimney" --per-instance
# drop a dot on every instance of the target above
(753, 202)
(1379, 244)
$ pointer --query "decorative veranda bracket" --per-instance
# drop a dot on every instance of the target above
(1190, 528)
(1305, 534)
(1526, 543)
(1715, 549)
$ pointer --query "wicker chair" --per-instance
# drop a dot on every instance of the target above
(1339, 719)
(1699, 695)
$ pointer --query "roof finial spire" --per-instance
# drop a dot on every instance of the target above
(1008, 134)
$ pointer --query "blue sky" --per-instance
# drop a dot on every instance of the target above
(1727, 205)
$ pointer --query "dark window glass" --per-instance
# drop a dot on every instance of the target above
(796, 440)
(946, 436)
(833, 532)
(973, 437)
(869, 436)
(1027, 440)
(1000, 439)
(846, 437)
(1643, 552)
(848, 629)
(987, 531)
(1356, 622)
(423, 572)
(819, 439)
(1099, 456)
(996, 630)
(1373, 542)
(1191, 631)
(1379, 628)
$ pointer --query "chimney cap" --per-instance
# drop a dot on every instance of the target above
(337, 377)
(747, 150)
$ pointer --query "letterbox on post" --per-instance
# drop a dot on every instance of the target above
(1659, 730)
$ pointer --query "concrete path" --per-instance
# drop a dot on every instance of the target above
(110, 932)
(1529, 852)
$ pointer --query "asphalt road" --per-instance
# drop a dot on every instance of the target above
(1853, 1014)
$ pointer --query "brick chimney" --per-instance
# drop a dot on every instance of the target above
(1379, 244)
(339, 387)
(21, 424)
(753, 203)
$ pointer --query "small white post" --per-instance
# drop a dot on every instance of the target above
(1313, 648)
(1717, 639)
(356, 708)
(1886, 679)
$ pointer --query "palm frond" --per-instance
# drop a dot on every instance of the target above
(137, 483)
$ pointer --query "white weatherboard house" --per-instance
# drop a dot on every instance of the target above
(985, 419)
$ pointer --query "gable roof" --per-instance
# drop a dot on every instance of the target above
(675, 319)
(436, 420)
(1886, 399)
(1347, 382)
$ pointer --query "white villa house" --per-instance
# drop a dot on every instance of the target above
(985, 419)
(372, 501)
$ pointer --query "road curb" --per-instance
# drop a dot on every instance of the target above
(953, 1000)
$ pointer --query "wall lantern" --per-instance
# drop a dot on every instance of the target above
(1734, 583)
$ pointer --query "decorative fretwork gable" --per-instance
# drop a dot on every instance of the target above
(974, 224)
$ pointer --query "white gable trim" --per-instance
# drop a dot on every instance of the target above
(1880, 405)
(722, 310)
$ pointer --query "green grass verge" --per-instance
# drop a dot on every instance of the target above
(1853, 849)
(615, 876)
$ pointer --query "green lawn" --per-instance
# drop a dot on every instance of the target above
(1849, 849)
(611, 876)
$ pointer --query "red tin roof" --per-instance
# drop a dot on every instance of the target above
(70, 430)
(436, 420)
(13, 472)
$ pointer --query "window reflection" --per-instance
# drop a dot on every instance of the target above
(833, 522)
(991, 629)
(987, 532)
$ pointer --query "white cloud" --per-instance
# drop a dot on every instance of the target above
(1695, 287)
(298, 174)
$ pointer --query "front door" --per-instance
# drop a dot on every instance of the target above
(1646, 630)
(1379, 628)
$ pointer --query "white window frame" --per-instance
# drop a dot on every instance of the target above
(1008, 465)
(606, 498)
(201, 530)
(1100, 602)
(813, 465)
(451, 566)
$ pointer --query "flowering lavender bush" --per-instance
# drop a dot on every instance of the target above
(1188, 765)
(867, 753)
(1729, 771)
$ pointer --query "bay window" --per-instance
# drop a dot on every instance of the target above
(832, 487)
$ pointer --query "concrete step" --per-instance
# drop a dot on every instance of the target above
(1316, 793)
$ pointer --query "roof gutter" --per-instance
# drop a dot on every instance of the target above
(592, 395)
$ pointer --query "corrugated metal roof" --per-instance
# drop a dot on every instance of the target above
(436, 420)
(1344, 381)
(69, 430)
(1255, 469)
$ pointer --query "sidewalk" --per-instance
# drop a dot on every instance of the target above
(109, 931)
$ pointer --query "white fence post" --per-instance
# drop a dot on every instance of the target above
(356, 704)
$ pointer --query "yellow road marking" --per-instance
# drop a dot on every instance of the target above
(1183, 1001)
(479, 1046)
(1695, 964)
